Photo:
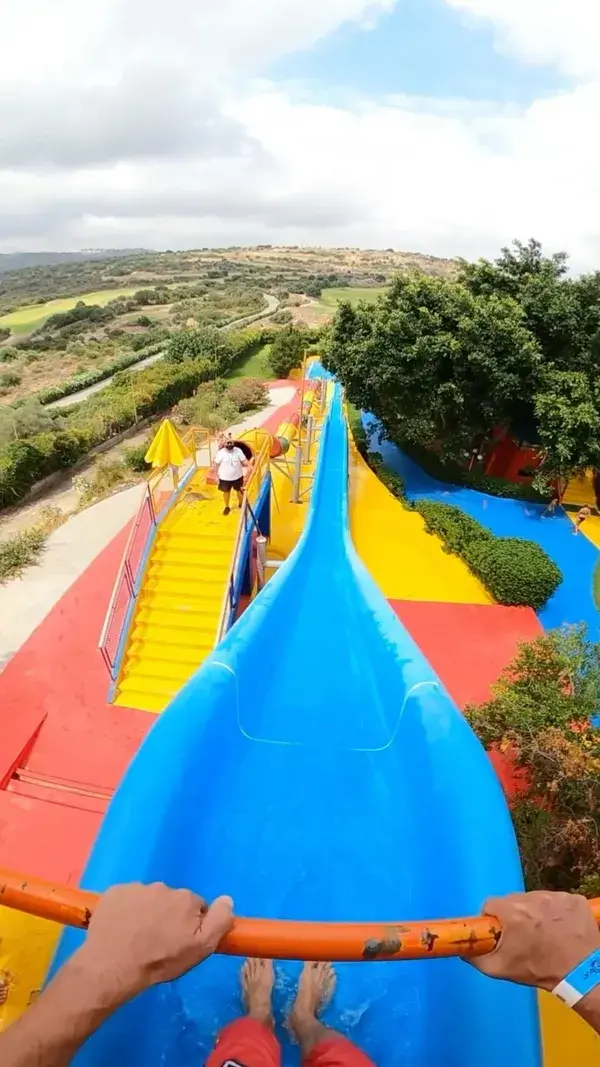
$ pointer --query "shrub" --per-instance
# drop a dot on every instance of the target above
(248, 394)
(83, 381)
(7, 355)
(101, 479)
(4, 333)
(513, 570)
(287, 351)
(9, 378)
(540, 715)
(134, 457)
(357, 430)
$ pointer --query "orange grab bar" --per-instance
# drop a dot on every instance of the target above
(281, 939)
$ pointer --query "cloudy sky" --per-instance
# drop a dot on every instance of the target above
(445, 126)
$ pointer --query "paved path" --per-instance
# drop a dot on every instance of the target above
(69, 551)
(83, 394)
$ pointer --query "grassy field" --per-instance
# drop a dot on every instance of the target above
(255, 366)
(26, 319)
(333, 297)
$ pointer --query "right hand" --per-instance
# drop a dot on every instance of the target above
(544, 936)
(140, 935)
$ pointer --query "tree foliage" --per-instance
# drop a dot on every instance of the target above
(436, 363)
(287, 351)
(514, 342)
(541, 716)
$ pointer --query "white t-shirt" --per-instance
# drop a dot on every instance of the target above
(229, 464)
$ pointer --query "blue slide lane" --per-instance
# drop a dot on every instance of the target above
(314, 768)
(576, 556)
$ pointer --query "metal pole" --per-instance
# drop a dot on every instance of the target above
(261, 559)
(297, 474)
(309, 437)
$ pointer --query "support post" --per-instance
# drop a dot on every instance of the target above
(297, 473)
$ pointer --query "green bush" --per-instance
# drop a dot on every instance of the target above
(134, 457)
(8, 354)
(357, 430)
(513, 570)
(9, 378)
(154, 390)
(287, 351)
(83, 381)
(248, 394)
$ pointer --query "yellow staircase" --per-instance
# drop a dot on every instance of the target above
(179, 607)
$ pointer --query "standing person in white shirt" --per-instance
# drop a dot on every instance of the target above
(229, 463)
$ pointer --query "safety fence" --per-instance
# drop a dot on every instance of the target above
(162, 489)
(254, 487)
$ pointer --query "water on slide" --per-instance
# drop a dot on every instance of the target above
(314, 768)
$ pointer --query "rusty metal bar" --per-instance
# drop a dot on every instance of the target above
(283, 939)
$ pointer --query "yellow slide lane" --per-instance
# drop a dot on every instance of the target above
(179, 607)
(26, 948)
(406, 562)
(567, 1041)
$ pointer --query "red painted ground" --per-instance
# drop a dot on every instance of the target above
(468, 645)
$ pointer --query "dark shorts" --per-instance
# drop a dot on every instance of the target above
(226, 487)
(247, 1043)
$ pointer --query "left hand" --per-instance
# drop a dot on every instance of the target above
(141, 935)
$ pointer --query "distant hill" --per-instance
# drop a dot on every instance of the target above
(22, 260)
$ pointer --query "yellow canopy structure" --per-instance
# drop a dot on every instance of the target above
(167, 448)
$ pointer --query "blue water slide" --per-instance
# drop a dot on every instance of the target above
(577, 557)
(315, 769)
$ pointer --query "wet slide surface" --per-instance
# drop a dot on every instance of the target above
(575, 555)
(315, 769)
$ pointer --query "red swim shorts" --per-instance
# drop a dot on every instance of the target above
(247, 1043)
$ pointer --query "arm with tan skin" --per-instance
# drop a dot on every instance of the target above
(139, 936)
(544, 937)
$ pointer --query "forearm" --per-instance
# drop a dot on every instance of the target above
(589, 1009)
(49, 1034)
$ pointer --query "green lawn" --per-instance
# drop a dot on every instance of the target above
(333, 297)
(26, 319)
(255, 366)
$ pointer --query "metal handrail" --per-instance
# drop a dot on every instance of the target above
(195, 438)
(261, 468)
(281, 939)
(125, 571)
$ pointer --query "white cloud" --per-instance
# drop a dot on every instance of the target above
(563, 33)
(140, 125)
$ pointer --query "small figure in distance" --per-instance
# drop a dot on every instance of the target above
(583, 514)
(229, 464)
(552, 506)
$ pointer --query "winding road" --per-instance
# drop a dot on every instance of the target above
(83, 394)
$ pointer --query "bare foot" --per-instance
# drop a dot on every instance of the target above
(257, 979)
(315, 990)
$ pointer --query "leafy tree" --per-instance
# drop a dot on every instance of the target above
(567, 412)
(541, 716)
(287, 351)
(207, 343)
(436, 363)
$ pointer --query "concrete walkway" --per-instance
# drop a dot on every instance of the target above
(69, 551)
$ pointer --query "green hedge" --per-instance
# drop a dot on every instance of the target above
(92, 377)
(22, 463)
(357, 430)
(513, 570)
(447, 471)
